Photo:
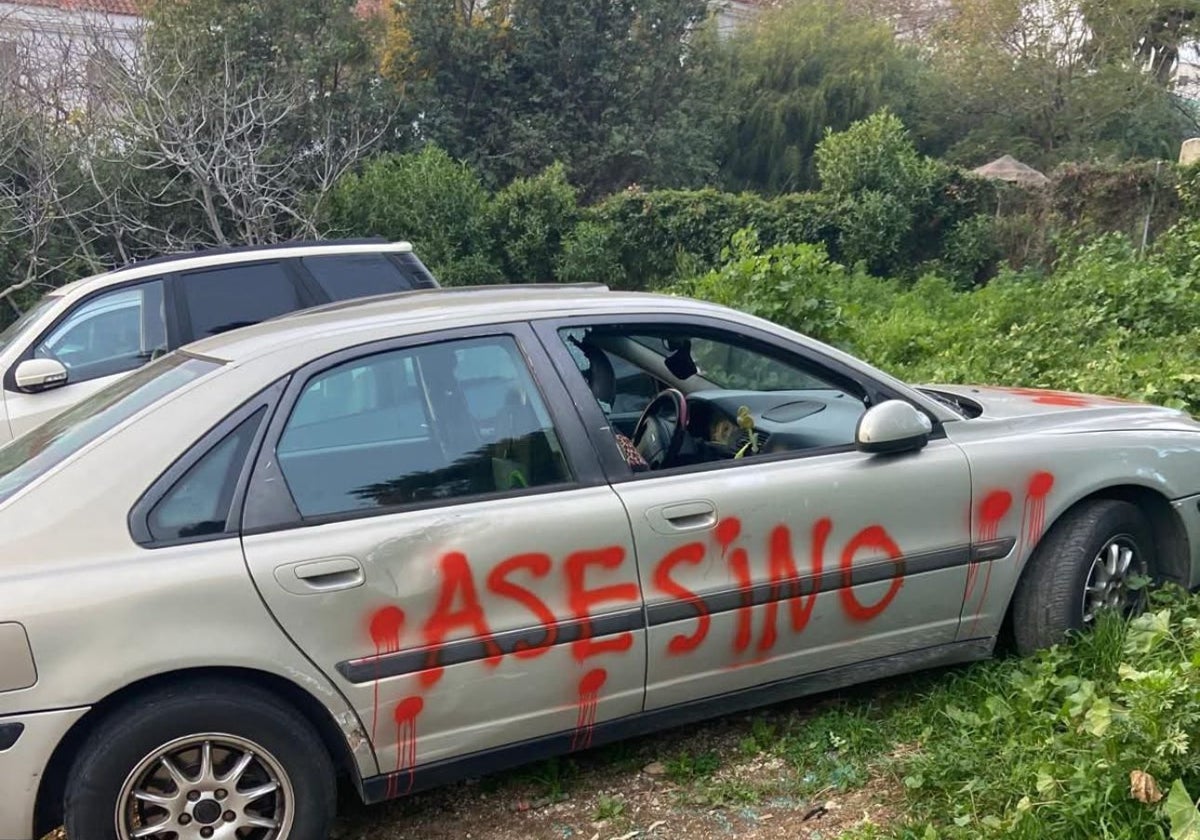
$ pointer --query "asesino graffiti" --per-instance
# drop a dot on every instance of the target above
(459, 612)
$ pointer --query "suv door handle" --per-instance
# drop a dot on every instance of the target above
(697, 515)
(315, 576)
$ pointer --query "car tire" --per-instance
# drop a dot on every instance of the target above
(123, 755)
(1053, 597)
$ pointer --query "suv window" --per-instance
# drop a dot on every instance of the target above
(222, 299)
(441, 421)
(110, 333)
(346, 276)
(198, 503)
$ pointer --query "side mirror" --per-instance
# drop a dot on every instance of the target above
(34, 375)
(891, 427)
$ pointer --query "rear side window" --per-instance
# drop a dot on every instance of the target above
(223, 299)
(430, 423)
(347, 276)
(41, 449)
(198, 504)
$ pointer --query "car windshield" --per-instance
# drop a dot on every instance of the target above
(41, 449)
(32, 314)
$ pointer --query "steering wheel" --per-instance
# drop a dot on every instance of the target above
(660, 430)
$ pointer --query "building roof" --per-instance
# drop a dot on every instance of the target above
(1008, 168)
(109, 7)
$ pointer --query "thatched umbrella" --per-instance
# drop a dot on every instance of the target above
(1009, 168)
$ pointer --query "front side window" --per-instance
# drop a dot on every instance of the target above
(223, 299)
(111, 333)
(436, 422)
(715, 395)
(38, 451)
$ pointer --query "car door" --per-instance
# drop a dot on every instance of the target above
(98, 341)
(432, 528)
(768, 566)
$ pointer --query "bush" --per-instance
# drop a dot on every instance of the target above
(428, 199)
(531, 219)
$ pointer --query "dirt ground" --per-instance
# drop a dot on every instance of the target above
(633, 791)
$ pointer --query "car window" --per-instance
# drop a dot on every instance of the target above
(198, 504)
(39, 450)
(347, 276)
(743, 398)
(223, 299)
(441, 421)
(108, 334)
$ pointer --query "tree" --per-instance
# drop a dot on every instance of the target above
(1033, 80)
(808, 66)
(1151, 32)
(618, 91)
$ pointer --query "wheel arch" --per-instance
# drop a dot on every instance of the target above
(1172, 550)
(48, 812)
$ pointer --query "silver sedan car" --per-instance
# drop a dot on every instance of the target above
(417, 538)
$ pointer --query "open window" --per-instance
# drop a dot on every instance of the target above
(686, 395)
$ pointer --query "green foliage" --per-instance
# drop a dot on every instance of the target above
(619, 92)
(804, 68)
(428, 199)
(531, 219)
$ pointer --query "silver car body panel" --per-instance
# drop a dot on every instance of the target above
(916, 552)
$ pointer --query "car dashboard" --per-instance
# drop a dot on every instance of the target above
(783, 421)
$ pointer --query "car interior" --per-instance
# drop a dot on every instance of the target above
(685, 397)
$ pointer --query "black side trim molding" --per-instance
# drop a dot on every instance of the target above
(435, 774)
(993, 550)
(832, 579)
(372, 668)
(9, 733)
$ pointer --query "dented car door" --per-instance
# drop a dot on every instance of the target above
(433, 530)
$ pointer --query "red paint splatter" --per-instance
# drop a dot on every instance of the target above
(538, 566)
(581, 599)
(691, 553)
(727, 531)
(1062, 399)
(458, 585)
(406, 714)
(783, 572)
(874, 537)
(385, 627)
(1040, 485)
(589, 699)
(995, 507)
(739, 564)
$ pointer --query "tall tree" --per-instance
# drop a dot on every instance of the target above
(619, 91)
(808, 66)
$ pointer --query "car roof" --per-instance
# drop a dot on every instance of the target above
(212, 257)
(328, 328)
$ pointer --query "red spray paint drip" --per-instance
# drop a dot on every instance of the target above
(589, 698)
(405, 715)
(385, 628)
(994, 507)
(1040, 485)
(728, 530)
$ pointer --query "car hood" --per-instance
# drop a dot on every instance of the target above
(1071, 411)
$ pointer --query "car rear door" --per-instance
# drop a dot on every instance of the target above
(432, 528)
(761, 569)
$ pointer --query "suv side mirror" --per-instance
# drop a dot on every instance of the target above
(891, 427)
(34, 375)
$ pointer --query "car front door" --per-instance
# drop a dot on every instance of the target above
(800, 557)
(432, 528)
(100, 340)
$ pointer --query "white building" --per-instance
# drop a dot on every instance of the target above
(58, 50)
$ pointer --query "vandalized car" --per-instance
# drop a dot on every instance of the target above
(416, 538)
